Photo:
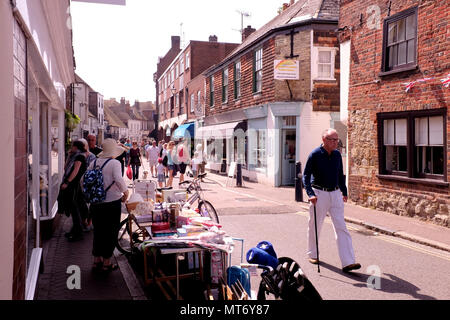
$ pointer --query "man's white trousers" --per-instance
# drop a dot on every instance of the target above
(332, 203)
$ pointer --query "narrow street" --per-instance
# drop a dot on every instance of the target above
(403, 266)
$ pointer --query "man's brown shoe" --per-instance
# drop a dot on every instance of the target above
(350, 267)
(313, 261)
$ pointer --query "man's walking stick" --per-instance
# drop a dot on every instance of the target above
(317, 239)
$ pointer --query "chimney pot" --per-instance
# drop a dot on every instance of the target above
(246, 32)
(213, 38)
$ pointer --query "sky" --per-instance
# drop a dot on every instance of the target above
(117, 47)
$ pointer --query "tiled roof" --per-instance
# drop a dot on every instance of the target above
(301, 10)
(113, 119)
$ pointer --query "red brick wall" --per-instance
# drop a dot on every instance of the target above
(367, 98)
(248, 98)
(325, 94)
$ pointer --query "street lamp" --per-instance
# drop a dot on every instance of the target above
(173, 90)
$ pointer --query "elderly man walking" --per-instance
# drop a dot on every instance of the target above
(324, 182)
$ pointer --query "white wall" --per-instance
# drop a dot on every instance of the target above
(7, 133)
(345, 78)
(309, 131)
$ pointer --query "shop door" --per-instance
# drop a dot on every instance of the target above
(288, 158)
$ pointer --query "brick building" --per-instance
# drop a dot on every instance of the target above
(393, 57)
(270, 99)
(181, 86)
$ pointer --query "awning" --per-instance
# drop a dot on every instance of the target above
(183, 130)
(218, 131)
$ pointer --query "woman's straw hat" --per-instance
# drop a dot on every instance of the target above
(110, 149)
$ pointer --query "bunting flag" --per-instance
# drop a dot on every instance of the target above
(411, 84)
(446, 81)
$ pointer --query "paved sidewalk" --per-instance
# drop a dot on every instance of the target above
(241, 200)
(59, 254)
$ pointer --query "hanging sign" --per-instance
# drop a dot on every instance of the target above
(286, 70)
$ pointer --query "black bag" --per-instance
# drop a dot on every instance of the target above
(164, 162)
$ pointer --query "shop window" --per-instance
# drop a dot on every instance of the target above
(400, 40)
(413, 144)
(44, 159)
(55, 155)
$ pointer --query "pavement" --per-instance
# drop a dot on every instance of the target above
(66, 269)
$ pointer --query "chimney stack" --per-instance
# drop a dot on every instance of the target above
(176, 42)
(292, 2)
(213, 38)
(246, 32)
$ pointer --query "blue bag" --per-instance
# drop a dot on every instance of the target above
(235, 273)
(267, 247)
(259, 256)
(93, 188)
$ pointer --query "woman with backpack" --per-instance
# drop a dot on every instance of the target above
(106, 213)
(70, 198)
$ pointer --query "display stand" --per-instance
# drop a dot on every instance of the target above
(232, 171)
(146, 188)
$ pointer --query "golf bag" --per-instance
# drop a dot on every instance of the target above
(287, 282)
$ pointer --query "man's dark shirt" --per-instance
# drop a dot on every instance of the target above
(324, 170)
(96, 150)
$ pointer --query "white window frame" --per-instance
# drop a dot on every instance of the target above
(192, 102)
(315, 62)
(188, 61)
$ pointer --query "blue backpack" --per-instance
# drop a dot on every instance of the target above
(235, 273)
(93, 189)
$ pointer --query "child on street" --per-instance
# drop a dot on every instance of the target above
(160, 170)
(195, 163)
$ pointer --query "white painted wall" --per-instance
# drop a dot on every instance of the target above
(7, 132)
(309, 131)
(345, 78)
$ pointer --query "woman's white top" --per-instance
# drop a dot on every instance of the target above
(111, 172)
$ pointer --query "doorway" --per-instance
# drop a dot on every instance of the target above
(288, 157)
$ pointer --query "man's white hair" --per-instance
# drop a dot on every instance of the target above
(328, 132)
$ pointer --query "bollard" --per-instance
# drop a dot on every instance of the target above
(298, 182)
(239, 175)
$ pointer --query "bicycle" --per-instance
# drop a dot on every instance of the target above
(205, 208)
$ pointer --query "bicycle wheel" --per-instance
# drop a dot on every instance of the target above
(124, 237)
(206, 209)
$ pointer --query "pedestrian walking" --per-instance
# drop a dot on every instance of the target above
(152, 156)
(70, 198)
(182, 159)
(135, 160)
(128, 145)
(202, 158)
(160, 171)
(84, 208)
(106, 214)
(163, 155)
(324, 182)
(171, 154)
(92, 141)
(195, 164)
